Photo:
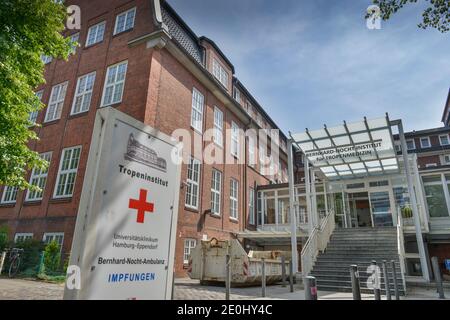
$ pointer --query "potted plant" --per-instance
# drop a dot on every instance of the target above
(407, 212)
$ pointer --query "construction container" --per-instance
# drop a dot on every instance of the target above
(207, 263)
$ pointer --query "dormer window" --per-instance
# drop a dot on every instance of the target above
(220, 73)
(425, 142)
(237, 95)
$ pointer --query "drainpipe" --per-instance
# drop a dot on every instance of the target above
(412, 194)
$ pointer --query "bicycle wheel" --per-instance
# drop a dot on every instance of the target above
(14, 267)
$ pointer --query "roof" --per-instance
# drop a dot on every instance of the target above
(216, 47)
(431, 131)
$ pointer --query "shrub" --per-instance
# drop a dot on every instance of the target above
(31, 255)
(3, 238)
(52, 257)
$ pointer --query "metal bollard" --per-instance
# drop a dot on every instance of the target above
(291, 276)
(377, 289)
(263, 277)
(394, 274)
(387, 284)
(227, 277)
(2, 261)
(310, 288)
(438, 277)
(354, 274)
(283, 271)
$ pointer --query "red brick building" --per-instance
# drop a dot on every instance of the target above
(140, 57)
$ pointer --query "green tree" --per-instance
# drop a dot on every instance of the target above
(436, 15)
(28, 29)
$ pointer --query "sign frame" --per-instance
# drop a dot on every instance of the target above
(83, 245)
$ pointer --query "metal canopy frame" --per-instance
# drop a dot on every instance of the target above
(366, 168)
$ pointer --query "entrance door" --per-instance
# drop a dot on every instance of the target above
(360, 209)
(381, 209)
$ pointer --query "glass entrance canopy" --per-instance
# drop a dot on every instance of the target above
(351, 150)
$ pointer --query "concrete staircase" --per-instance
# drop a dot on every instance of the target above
(357, 246)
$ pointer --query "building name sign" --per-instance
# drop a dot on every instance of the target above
(124, 241)
(366, 150)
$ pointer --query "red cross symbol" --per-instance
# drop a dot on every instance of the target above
(141, 205)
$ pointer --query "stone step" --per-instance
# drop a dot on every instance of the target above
(346, 264)
(349, 289)
(359, 250)
(362, 284)
(363, 276)
(352, 259)
(346, 269)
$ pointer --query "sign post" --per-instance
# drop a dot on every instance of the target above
(124, 241)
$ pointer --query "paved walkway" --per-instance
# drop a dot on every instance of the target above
(186, 289)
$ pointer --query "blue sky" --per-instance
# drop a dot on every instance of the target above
(310, 62)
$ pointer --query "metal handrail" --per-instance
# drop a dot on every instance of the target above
(317, 241)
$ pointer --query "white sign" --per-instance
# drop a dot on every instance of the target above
(125, 234)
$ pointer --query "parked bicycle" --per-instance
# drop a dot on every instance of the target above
(15, 259)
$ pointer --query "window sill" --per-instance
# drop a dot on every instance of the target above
(122, 32)
(92, 45)
(61, 200)
(196, 130)
(7, 205)
(78, 115)
(190, 209)
(48, 123)
(234, 220)
(215, 215)
(29, 203)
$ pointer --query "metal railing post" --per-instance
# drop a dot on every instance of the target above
(227, 277)
(394, 274)
(377, 285)
(283, 271)
(387, 284)
(263, 277)
(291, 276)
(438, 277)
(310, 288)
(355, 282)
(2, 261)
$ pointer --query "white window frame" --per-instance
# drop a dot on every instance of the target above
(251, 206)
(85, 95)
(32, 117)
(189, 245)
(237, 95)
(12, 195)
(41, 177)
(126, 14)
(115, 84)
(220, 73)
(56, 102)
(216, 192)
(430, 165)
(234, 199)
(46, 59)
(421, 143)
(95, 28)
(413, 143)
(235, 139)
(444, 160)
(54, 236)
(24, 235)
(198, 105)
(251, 152)
(74, 38)
(218, 127)
(447, 137)
(67, 172)
(193, 183)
